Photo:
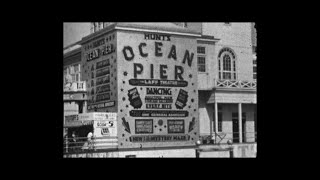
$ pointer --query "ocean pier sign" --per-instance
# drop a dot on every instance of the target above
(157, 90)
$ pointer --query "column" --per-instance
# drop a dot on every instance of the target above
(216, 119)
(240, 121)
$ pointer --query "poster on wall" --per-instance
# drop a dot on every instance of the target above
(158, 97)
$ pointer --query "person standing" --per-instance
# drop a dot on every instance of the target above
(90, 141)
(74, 141)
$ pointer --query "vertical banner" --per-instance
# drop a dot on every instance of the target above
(157, 90)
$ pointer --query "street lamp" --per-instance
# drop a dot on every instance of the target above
(229, 142)
(198, 143)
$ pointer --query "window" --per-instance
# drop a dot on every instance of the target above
(201, 50)
(201, 58)
(77, 68)
(201, 64)
(73, 77)
(78, 77)
(227, 64)
(236, 118)
(71, 70)
(219, 121)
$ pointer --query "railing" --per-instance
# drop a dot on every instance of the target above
(223, 137)
(82, 144)
(235, 84)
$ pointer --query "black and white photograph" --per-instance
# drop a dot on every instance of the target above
(159, 90)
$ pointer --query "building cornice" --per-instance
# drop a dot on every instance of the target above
(140, 28)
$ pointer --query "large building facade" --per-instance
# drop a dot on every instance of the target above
(226, 78)
(227, 83)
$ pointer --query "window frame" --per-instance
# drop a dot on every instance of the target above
(202, 64)
(202, 53)
(224, 73)
(254, 69)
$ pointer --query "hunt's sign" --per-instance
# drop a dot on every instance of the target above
(157, 90)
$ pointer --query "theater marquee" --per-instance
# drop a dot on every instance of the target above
(157, 90)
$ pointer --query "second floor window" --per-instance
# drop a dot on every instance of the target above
(227, 64)
(201, 50)
(201, 64)
(201, 58)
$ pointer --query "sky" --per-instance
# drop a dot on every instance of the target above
(73, 32)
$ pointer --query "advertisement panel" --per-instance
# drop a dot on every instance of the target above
(99, 70)
(97, 116)
(157, 90)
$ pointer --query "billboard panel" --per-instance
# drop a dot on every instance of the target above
(157, 90)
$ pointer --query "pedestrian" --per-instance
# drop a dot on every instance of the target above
(90, 141)
(74, 141)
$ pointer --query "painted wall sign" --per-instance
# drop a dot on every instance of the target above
(102, 72)
(85, 116)
(143, 126)
(153, 36)
(134, 98)
(101, 105)
(157, 82)
(103, 80)
(94, 54)
(105, 124)
(159, 113)
(71, 117)
(103, 64)
(175, 126)
(159, 138)
(103, 97)
(104, 128)
(78, 96)
(103, 88)
(101, 116)
(99, 70)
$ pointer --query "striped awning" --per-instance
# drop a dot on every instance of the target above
(77, 123)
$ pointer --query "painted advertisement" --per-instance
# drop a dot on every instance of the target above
(157, 90)
(99, 71)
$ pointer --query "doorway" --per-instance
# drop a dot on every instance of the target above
(235, 127)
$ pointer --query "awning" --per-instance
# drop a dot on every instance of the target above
(77, 123)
